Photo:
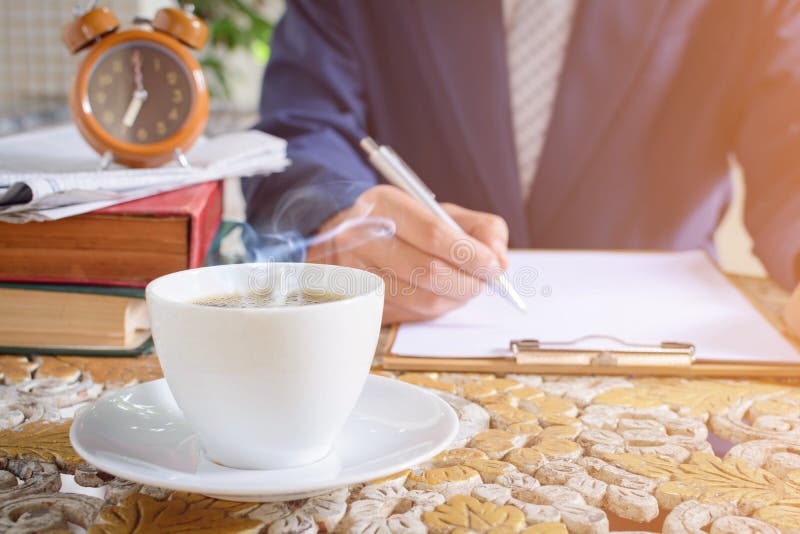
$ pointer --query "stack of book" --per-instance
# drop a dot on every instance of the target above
(76, 285)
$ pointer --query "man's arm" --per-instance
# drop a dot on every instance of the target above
(312, 97)
(768, 145)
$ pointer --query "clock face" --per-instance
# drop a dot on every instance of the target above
(140, 93)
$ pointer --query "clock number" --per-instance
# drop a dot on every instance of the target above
(100, 97)
(108, 117)
(157, 64)
(116, 66)
(105, 80)
(177, 96)
(161, 128)
(172, 77)
(173, 114)
(141, 134)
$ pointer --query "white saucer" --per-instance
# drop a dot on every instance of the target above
(140, 434)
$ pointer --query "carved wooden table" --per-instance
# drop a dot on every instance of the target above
(534, 454)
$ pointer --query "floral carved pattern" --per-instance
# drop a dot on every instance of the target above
(43, 441)
(142, 514)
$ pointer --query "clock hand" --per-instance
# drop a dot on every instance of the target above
(139, 95)
(134, 108)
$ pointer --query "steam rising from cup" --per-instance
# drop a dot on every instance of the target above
(358, 232)
(281, 230)
(291, 246)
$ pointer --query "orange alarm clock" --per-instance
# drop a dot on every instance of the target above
(139, 97)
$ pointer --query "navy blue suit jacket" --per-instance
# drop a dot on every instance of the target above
(654, 99)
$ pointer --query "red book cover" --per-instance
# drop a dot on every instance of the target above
(201, 202)
(61, 252)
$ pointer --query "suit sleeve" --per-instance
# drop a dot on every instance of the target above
(769, 143)
(313, 97)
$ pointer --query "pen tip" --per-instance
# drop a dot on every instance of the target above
(518, 302)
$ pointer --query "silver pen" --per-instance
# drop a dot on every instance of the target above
(398, 173)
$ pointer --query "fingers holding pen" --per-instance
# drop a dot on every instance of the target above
(420, 227)
(487, 228)
(429, 267)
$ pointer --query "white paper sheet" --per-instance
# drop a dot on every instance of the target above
(637, 297)
(61, 173)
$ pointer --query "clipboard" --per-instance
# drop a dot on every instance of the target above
(627, 358)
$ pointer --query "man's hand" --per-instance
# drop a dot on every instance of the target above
(792, 312)
(429, 268)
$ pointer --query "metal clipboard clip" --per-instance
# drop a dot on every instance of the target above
(610, 352)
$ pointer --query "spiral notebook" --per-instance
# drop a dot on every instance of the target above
(604, 313)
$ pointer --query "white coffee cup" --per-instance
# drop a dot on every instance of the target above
(266, 388)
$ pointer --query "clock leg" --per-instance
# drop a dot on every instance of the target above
(105, 161)
(180, 157)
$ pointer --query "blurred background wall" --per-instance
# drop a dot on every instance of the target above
(36, 73)
(36, 70)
